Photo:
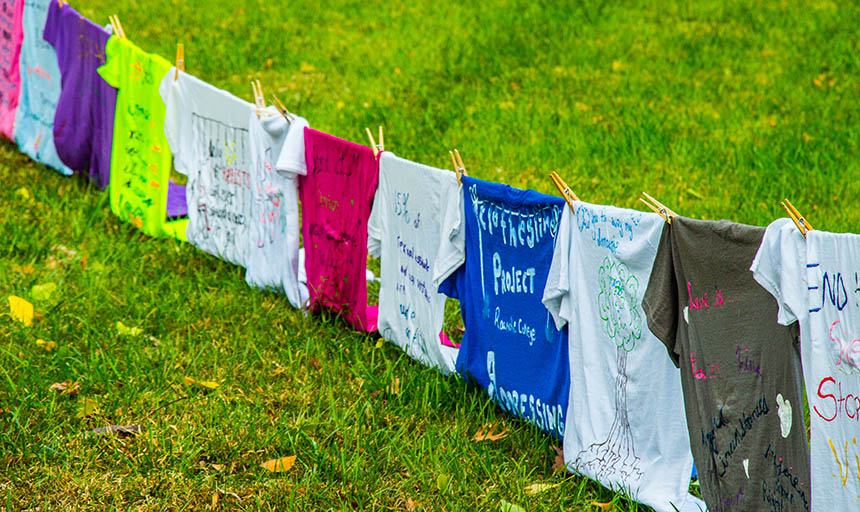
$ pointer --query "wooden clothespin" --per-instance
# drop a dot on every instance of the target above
(799, 220)
(459, 167)
(180, 60)
(377, 148)
(117, 26)
(283, 110)
(566, 192)
(659, 208)
(259, 100)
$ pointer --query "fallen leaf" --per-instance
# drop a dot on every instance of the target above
(558, 465)
(121, 430)
(489, 436)
(47, 346)
(208, 384)
(410, 505)
(603, 506)
(215, 499)
(539, 488)
(88, 408)
(67, 388)
(510, 507)
(21, 310)
(442, 482)
(126, 330)
(279, 465)
(379, 343)
(23, 193)
(304, 67)
(43, 292)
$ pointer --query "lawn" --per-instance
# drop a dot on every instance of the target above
(719, 109)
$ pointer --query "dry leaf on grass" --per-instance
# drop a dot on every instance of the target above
(490, 436)
(67, 388)
(121, 430)
(603, 506)
(279, 465)
(88, 408)
(47, 346)
(558, 464)
(539, 488)
(206, 384)
(21, 310)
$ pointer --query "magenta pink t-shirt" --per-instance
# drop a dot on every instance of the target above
(337, 195)
(11, 19)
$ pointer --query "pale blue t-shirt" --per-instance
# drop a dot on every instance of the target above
(40, 89)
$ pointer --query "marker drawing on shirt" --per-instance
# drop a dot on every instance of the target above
(619, 309)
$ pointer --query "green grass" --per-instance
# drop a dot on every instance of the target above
(718, 109)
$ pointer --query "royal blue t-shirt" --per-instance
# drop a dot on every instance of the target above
(495, 259)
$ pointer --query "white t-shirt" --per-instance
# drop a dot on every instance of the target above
(277, 158)
(405, 229)
(207, 130)
(815, 282)
(626, 426)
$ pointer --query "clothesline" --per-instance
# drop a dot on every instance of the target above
(643, 340)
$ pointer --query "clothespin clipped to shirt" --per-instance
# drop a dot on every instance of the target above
(459, 167)
(180, 60)
(283, 110)
(377, 148)
(566, 192)
(658, 207)
(799, 220)
(117, 26)
(259, 100)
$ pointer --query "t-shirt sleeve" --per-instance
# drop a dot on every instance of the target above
(52, 24)
(452, 247)
(110, 70)
(660, 302)
(556, 293)
(292, 157)
(173, 120)
(780, 268)
(375, 225)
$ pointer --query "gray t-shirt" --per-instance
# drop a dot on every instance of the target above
(740, 369)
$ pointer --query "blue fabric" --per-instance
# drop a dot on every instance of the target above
(40, 89)
(511, 347)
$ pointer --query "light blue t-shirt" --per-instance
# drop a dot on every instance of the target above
(40, 89)
(497, 254)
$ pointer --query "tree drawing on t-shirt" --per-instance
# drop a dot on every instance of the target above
(618, 301)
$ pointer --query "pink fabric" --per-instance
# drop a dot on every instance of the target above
(11, 19)
(337, 195)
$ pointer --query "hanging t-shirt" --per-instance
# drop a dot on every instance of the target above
(83, 123)
(337, 195)
(141, 160)
(815, 282)
(740, 369)
(625, 421)
(40, 89)
(495, 254)
(11, 14)
(405, 230)
(277, 159)
(207, 130)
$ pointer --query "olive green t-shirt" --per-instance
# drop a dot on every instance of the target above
(141, 159)
(740, 369)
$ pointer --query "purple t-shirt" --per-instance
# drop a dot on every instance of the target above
(83, 124)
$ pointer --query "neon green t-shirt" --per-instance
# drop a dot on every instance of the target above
(141, 159)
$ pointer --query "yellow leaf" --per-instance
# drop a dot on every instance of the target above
(188, 380)
(279, 465)
(304, 67)
(21, 310)
(539, 488)
(208, 384)
(88, 408)
(126, 330)
(379, 343)
(340, 105)
(603, 506)
(46, 345)
(23, 193)
(43, 292)
(215, 500)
